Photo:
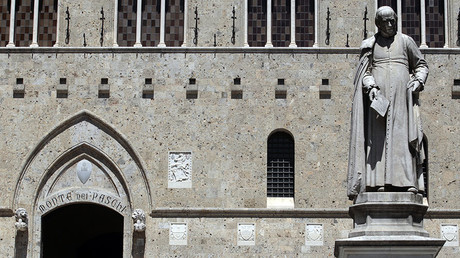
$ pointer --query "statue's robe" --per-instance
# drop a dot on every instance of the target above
(386, 151)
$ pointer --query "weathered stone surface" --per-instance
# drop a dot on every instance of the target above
(127, 138)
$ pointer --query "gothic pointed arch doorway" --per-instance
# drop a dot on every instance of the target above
(82, 161)
(82, 230)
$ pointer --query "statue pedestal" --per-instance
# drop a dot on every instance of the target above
(388, 224)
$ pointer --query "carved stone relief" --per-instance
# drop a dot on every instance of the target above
(314, 234)
(180, 170)
(449, 232)
(84, 168)
(84, 195)
(21, 219)
(139, 220)
(246, 234)
(178, 233)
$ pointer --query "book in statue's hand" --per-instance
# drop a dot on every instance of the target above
(380, 104)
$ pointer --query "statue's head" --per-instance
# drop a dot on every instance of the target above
(386, 20)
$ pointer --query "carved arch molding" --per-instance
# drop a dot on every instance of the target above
(82, 160)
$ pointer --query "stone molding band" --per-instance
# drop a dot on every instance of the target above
(264, 213)
(279, 213)
(248, 213)
(205, 50)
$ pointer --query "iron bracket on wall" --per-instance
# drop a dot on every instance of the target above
(328, 29)
(67, 30)
(195, 30)
(365, 19)
(458, 28)
(233, 26)
(101, 40)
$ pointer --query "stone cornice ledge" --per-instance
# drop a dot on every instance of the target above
(204, 50)
(247, 213)
(6, 212)
(277, 213)
(443, 214)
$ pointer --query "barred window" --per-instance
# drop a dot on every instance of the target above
(280, 165)
(281, 17)
(305, 23)
(151, 23)
(47, 23)
(174, 29)
(126, 33)
(24, 23)
(4, 22)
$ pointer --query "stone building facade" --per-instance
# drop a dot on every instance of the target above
(164, 128)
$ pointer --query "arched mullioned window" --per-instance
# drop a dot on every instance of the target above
(435, 27)
(280, 165)
(47, 22)
(174, 34)
(281, 19)
(411, 16)
(4, 22)
(257, 23)
(150, 23)
(24, 18)
(305, 23)
(277, 30)
(24, 23)
(126, 34)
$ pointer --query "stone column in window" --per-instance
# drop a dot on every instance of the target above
(138, 24)
(245, 43)
(162, 24)
(184, 44)
(12, 14)
(35, 26)
(269, 24)
(377, 7)
(56, 44)
(399, 7)
(423, 25)
(115, 23)
(446, 25)
(316, 24)
(292, 44)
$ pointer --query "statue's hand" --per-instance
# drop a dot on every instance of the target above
(415, 86)
(373, 94)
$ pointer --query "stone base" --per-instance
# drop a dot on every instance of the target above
(387, 246)
(388, 214)
(388, 224)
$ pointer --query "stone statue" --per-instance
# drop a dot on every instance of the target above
(386, 149)
(21, 219)
(139, 220)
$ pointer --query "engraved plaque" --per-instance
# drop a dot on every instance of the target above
(84, 169)
(246, 234)
(178, 233)
(449, 232)
(314, 234)
(180, 170)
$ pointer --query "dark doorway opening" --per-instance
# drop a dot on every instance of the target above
(82, 230)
